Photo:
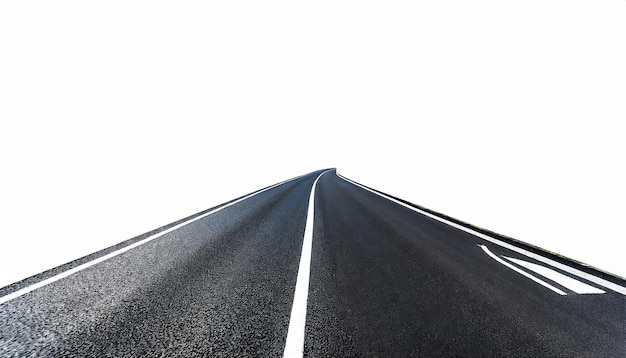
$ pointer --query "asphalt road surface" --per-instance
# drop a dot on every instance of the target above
(375, 278)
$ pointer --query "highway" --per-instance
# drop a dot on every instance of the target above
(351, 273)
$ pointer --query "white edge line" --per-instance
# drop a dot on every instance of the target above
(76, 269)
(539, 281)
(600, 281)
(294, 345)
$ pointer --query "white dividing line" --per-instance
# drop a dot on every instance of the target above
(294, 347)
(565, 281)
(539, 281)
(76, 269)
(589, 277)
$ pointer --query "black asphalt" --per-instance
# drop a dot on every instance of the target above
(385, 282)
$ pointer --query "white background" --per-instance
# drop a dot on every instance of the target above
(117, 117)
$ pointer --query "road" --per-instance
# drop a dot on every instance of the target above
(375, 277)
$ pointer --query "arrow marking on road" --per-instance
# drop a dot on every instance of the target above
(587, 276)
(524, 273)
(565, 281)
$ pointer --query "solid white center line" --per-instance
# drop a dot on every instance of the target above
(539, 281)
(294, 347)
(76, 269)
(557, 277)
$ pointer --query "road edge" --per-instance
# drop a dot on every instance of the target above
(54, 271)
(592, 270)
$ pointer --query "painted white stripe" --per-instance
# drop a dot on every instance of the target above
(524, 273)
(587, 276)
(557, 277)
(294, 347)
(79, 268)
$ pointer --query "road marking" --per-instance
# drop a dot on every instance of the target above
(76, 269)
(539, 281)
(565, 281)
(587, 276)
(294, 347)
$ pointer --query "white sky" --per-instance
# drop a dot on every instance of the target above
(117, 117)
